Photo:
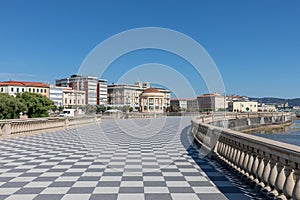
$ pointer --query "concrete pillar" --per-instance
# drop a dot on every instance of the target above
(280, 180)
(296, 192)
(148, 104)
(272, 179)
(6, 128)
(289, 182)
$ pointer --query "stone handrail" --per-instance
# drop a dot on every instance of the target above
(272, 167)
(17, 126)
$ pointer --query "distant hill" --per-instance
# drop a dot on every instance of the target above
(271, 100)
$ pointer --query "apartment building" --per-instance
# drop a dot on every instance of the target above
(120, 95)
(95, 89)
(211, 102)
(14, 87)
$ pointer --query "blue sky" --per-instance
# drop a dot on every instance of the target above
(255, 44)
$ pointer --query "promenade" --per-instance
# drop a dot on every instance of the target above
(115, 159)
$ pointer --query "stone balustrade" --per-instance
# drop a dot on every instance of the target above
(18, 126)
(271, 167)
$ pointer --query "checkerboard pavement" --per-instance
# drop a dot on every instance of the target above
(116, 159)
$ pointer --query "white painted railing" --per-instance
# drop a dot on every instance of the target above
(10, 127)
(272, 167)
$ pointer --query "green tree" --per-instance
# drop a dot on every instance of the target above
(100, 109)
(37, 104)
(10, 107)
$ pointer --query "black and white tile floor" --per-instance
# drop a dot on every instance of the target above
(117, 159)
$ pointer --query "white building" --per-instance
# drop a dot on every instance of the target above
(211, 102)
(95, 89)
(186, 104)
(56, 95)
(267, 108)
(243, 106)
(73, 97)
(15, 87)
(120, 95)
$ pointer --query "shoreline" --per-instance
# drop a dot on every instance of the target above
(268, 129)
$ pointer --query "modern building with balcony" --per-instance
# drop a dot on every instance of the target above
(95, 89)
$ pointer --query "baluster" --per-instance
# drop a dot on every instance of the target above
(249, 175)
(296, 192)
(289, 182)
(260, 172)
(237, 158)
(240, 163)
(280, 180)
(265, 179)
(272, 179)
(254, 170)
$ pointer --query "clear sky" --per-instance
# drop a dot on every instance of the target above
(254, 43)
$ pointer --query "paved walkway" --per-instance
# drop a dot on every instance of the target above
(122, 159)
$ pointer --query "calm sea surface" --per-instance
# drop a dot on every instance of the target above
(289, 135)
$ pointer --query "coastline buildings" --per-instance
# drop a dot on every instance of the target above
(95, 89)
(66, 96)
(120, 95)
(243, 106)
(15, 87)
(73, 97)
(211, 102)
(152, 101)
(186, 104)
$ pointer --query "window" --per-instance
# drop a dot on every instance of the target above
(18, 89)
(23, 90)
(33, 90)
(70, 101)
(45, 91)
(66, 100)
(12, 89)
(29, 89)
(1, 89)
(37, 90)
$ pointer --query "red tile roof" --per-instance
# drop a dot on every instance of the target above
(23, 83)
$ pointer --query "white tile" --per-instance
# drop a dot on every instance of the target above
(55, 190)
(131, 197)
(177, 184)
(195, 178)
(22, 197)
(106, 190)
(111, 178)
(76, 197)
(132, 184)
(85, 184)
(38, 184)
(180, 196)
(206, 190)
(156, 190)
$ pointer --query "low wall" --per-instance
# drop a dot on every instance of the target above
(19, 126)
(272, 167)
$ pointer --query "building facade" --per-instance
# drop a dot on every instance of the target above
(267, 108)
(211, 102)
(243, 106)
(120, 95)
(152, 101)
(56, 95)
(189, 104)
(15, 87)
(95, 89)
(73, 97)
